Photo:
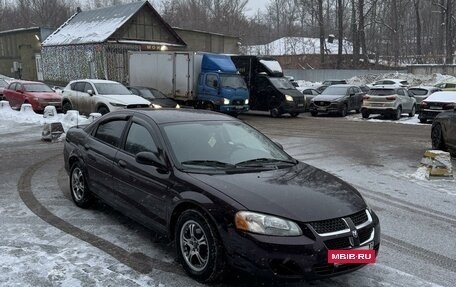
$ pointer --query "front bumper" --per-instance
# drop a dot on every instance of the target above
(292, 107)
(429, 114)
(234, 108)
(290, 258)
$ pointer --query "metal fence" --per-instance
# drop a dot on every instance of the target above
(319, 75)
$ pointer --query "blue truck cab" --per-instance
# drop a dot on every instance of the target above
(220, 86)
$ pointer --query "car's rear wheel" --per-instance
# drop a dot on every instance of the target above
(78, 186)
(423, 121)
(66, 107)
(437, 137)
(198, 246)
(103, 110)
(412, 112)
(398, 114)
(274, 112)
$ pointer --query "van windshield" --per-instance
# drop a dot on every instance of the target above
(282, 83)
(232, 81)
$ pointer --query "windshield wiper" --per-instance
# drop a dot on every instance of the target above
(209, 163)
(261, 162)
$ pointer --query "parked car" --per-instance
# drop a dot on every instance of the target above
(223, 191)
(388, 101)
(435, 104)
(446, 86)
(337, 99)
(443, 133)
(102, 96)
(3, 85)
(422, 92)
(157, 98)
(391, 82)
(309, 93)
(38, 94)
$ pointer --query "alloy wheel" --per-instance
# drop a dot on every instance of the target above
(194, 246)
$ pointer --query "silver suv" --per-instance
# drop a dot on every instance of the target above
(102, 96)
(388, 101)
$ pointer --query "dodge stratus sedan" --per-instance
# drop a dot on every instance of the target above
(225, 193)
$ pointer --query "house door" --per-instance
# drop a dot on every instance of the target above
(39, 70)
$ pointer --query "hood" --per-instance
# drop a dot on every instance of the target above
(292, 92)
(301, 193)
(328, 98)
(126, 99)
(234, 93)
(165, 103)
(46, 95)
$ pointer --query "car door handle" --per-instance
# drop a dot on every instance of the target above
(122, 163)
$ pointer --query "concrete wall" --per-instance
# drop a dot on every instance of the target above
(319, 75)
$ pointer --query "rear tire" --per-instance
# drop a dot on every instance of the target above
(397, 115)
(365, 114)
(412, 113)
(437, 138)
(274, 112)
(423, 121)
(199, 247)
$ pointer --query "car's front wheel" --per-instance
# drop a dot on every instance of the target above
(412, 112)
(66, 107)
(103, 110)
(344, 111)
(398, 114)
(78, 186)
(198, 246)
(365, 114)
(437, 137)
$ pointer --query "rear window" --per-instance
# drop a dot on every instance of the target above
(381, 92)
(418, 92)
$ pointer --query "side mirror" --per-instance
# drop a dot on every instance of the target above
(150, 158)
(90, 92)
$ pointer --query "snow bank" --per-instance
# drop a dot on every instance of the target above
(414, 80)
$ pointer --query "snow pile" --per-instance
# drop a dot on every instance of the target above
(421, 173)
(28, 116)
(380, 119)
(304, 83)
(296, 46)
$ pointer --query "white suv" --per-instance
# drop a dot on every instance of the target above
(101, 96)
(388, 100)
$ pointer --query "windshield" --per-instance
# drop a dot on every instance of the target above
(111, 89)
(331, 90)
(38, 88)
(272, 65)
(152, 94)
(232, 81)
(221, 145)
(381, 92)
(282, 83)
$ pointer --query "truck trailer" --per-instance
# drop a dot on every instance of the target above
(269, 89)
(202, 80)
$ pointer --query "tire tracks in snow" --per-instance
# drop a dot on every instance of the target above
(137, 261)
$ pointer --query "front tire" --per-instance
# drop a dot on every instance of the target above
(437, 138)
(198, 247)
(423, 121)
(365, 114)
(103, 110)
(344, 111)
(274, 112)
(78, 186)
(66, 107)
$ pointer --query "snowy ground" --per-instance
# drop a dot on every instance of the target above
(59, 244)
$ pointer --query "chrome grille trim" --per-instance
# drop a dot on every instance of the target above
(347, 230)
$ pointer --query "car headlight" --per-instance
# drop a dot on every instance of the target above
(288, 98)
(246, 102)
(117, 105)
(265, 224)
(155, 106)
(178, 106)
(226, 101)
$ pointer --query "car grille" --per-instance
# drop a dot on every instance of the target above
(137, 106)
(328, 269)
(237, 102)
(322, 104)
(337, 224)
(344, 242)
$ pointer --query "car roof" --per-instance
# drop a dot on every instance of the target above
(380, 87)
(423, 87)
(95, 81)
(162, 116)
(444, 96)
(26, 82)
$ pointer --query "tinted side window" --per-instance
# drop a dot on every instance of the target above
(110, 132)
(12, 86)
(87, 87)
(307, 92)
(134, 91)
(79, 86)
(73, 86)
(139, 139)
